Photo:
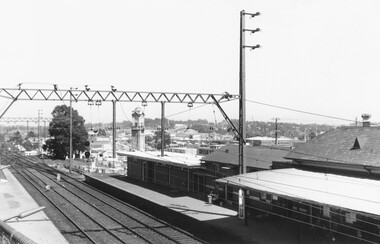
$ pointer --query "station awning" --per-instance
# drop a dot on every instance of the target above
(352, 193)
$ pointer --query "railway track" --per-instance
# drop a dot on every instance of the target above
(84, 214)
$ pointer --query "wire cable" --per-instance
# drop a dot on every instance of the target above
(300, 111)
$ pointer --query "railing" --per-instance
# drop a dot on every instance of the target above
(8, 235)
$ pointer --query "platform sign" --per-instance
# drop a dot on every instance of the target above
(241, 204)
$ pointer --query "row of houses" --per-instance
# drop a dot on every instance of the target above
(330, 182)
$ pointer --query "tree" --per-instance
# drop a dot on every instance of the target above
(2, 138)
(157, 139)
(16, 138)
(59, 130)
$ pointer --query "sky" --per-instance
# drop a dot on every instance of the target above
(316, 57)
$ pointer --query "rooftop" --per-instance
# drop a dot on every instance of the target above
(346, 192)
(169, 158)
(257, 157)
(349, 145)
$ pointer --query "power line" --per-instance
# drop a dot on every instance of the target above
(186, 111)
(300, 111)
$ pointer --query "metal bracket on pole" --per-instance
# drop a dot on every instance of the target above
(14, 100)
(234, 129)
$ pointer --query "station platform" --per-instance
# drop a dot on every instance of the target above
(212, 223)
(14, 199)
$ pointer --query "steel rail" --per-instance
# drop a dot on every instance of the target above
(124, 204)
(87, 215)
(129, 206)
(113, 207)
(55, 205)
(95, 207)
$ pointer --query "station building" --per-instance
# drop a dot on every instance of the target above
(331, 183)
(175, 170)
(335, 203)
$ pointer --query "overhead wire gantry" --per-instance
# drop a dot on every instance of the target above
(113, 95)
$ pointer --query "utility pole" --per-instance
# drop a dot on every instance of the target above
(71, 131)
(276, 131)
(242, 109)
(162, 128)
(38, 128)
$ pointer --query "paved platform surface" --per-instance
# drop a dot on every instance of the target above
(14, 199)
(192, 207)
(222, 218)
(266, 230)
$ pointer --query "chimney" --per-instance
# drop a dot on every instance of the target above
(366, 122)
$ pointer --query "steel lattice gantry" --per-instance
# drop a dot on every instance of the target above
(24, 119)
(113, 95)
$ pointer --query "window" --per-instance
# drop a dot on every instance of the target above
(326, 211)
(350, 217)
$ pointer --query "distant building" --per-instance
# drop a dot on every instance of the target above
(270, 141)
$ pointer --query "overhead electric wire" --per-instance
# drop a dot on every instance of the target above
(122, 109)
(185, 111)
(300, 111)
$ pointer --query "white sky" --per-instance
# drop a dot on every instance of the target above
(316, 56)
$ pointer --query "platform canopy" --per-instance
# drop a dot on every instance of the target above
(356, 194)
(170, 158)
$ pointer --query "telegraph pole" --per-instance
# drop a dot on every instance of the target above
(162, 128)
(276, 131)
(38, 129)
(242, 109)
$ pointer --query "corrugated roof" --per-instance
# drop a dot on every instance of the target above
(346, 192)
(339, 146)
(257, 157)
(170, 158)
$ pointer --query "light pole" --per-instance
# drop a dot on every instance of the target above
(242, 109)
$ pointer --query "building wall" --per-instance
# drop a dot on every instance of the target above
(168, 175)
(179, 178)
(321, 217)
(162, 174)
(134, 168)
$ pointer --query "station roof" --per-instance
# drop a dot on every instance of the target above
(256, 157)
(170, 158)
(346, 145)
(357, 194)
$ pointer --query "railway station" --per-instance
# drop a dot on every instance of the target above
(202, 167)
